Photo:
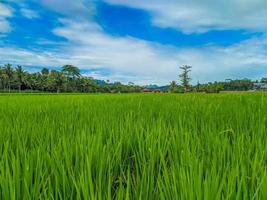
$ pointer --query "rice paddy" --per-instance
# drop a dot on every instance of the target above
(133, 146)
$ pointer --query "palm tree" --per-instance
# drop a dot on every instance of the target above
(44, 82)
(57, 79)
(71, 71)
(8, 70)
(20, 76)
(2, 78)
(67, 80)
(29, 81)
(45, 72)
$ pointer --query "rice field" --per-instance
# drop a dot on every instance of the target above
(133, 146)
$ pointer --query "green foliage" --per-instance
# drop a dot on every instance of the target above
(184, 77)
(68, 79)
(215, 87)
(173, 86)
(228, 85)
(71, 71)
(138, 146)
(178, 89)
(238, 85)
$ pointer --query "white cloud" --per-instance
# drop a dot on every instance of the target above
(5, 12)
(29, 13)
(201, 16)
(19, 56)
(91, 47)
(79, 9)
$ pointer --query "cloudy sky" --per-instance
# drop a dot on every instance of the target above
(143, 41)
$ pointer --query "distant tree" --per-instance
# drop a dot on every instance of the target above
(8, 70)
(198, 87)
(33, 81)
(238, 85)
(173, 86)
(44, 79)
(264, 80)
(3, 78)
(86, 84)
(29, 81)
(71, 72)
(67, 80)
(117, 87)
(19, 76)
(45, 72)
(57, 79)
(215, 87)
(184, 77)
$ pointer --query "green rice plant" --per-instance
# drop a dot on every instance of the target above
(133, 146)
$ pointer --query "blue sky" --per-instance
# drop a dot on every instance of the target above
(136, 40)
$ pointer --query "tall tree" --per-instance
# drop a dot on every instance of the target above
(71, 72)
(57, 79)
(184, 77)
(44, 79)
(8, 70)
(45, 72)
(3, 78)
(29, 80)
(19, 76)
(198, 87)
(173, 85)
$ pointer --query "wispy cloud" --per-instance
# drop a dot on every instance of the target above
(205, 15)
(5, 12)
(78, 9)
(28, 13)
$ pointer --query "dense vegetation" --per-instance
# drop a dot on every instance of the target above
(69, 79)
(228, 85)
(138, 146)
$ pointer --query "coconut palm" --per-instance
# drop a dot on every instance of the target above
(3, 78)
(58, 79)
(71, 72)
(19, 76)
(8, 70)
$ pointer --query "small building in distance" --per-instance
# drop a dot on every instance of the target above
(146, 90)
(157, 90)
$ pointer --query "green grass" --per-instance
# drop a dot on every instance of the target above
(137, 146)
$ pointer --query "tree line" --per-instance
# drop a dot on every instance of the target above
(213, 87)
(68, 79)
